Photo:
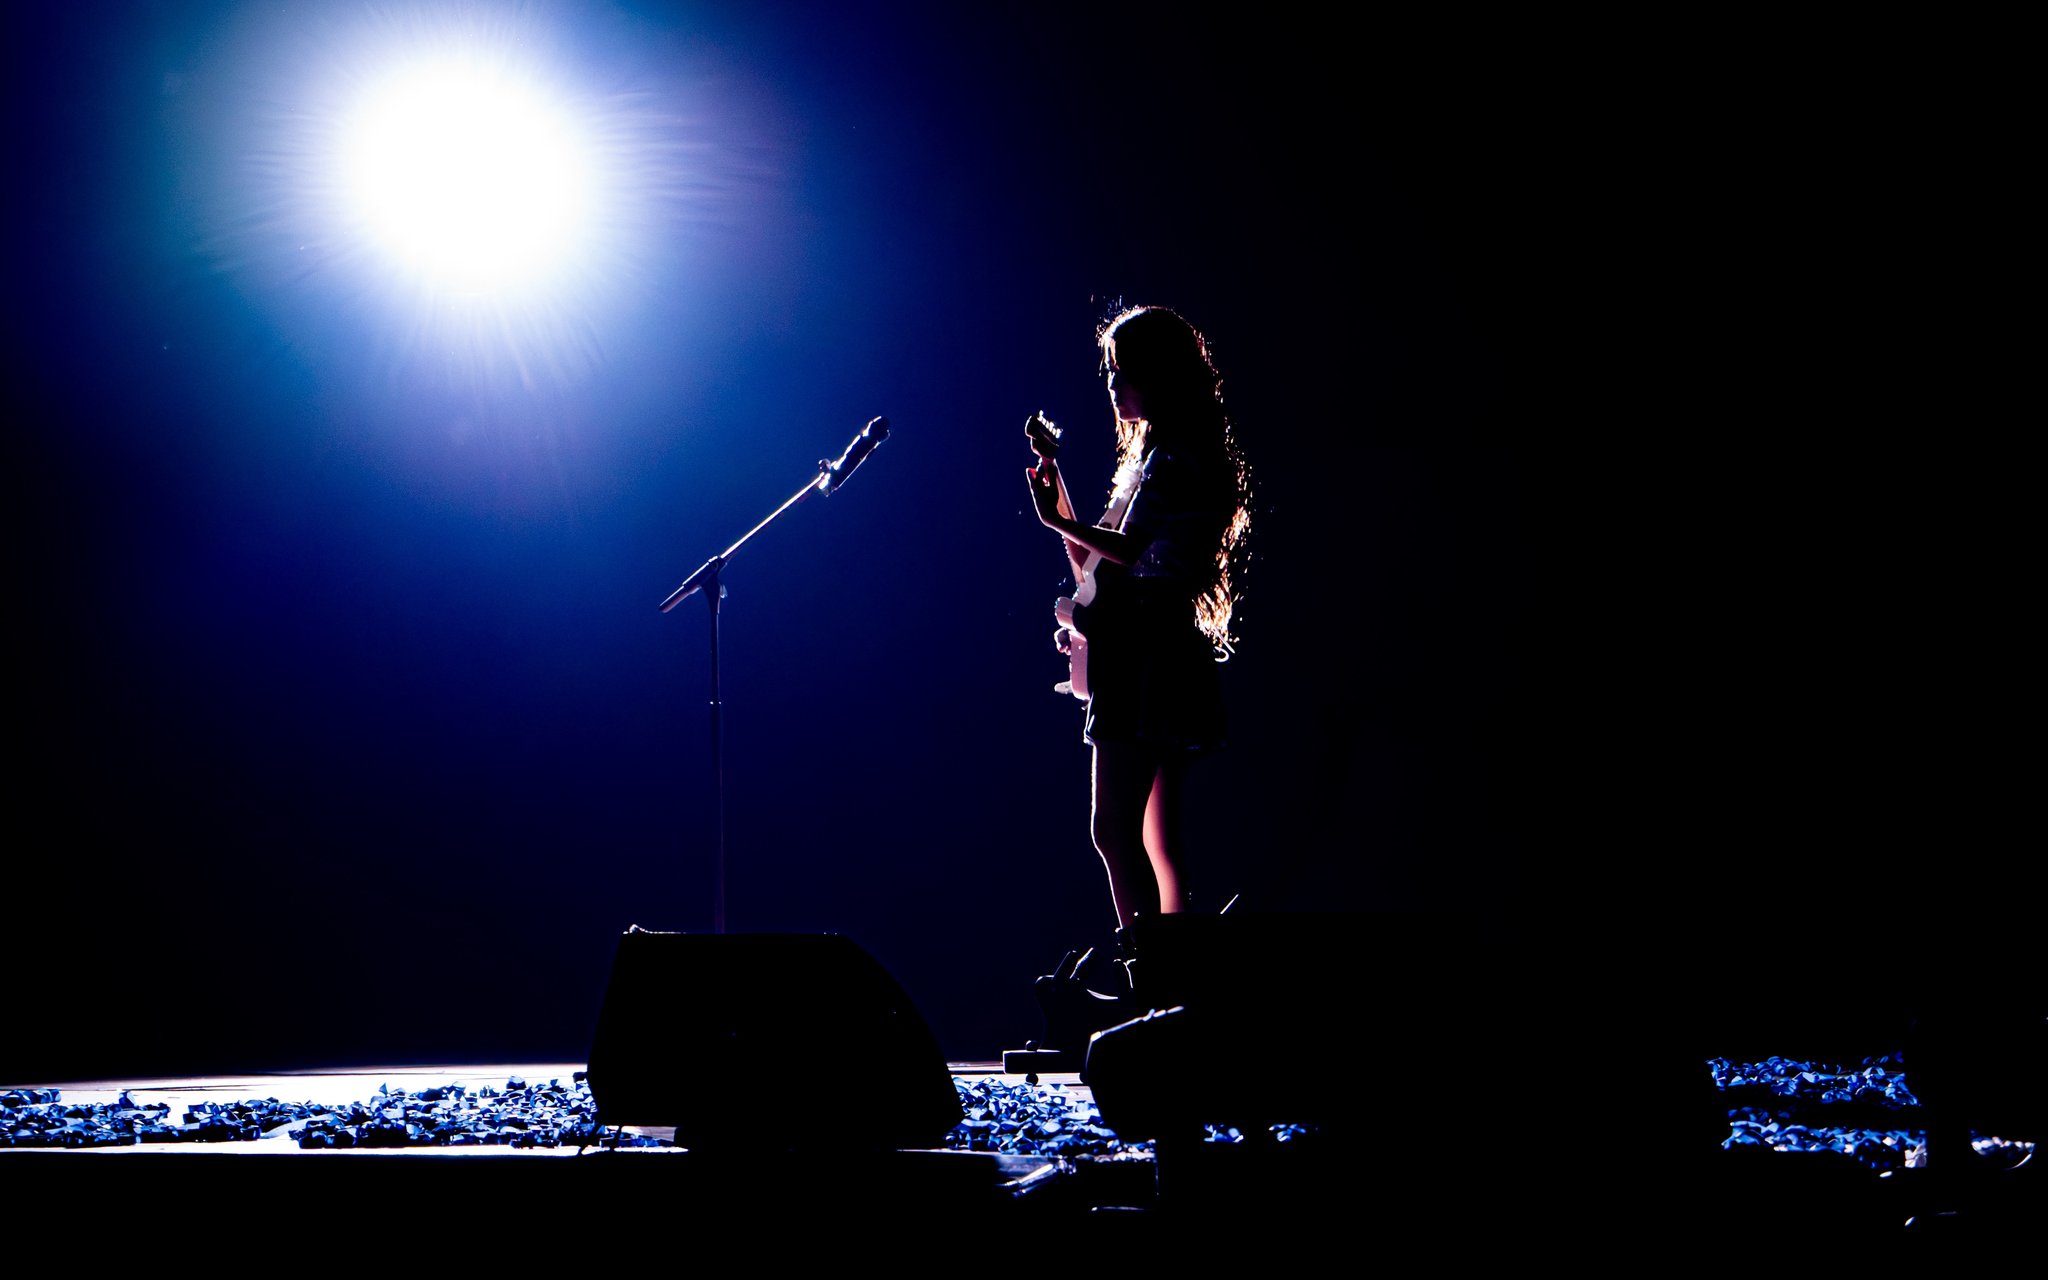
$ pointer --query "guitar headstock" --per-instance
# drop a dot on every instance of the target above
(1043, 435)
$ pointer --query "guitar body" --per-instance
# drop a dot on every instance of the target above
(1072, 643)
(1076, 682)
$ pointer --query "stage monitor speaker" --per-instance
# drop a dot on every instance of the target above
(766, 1041)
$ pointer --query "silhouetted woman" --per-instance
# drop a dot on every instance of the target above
(1159, 621)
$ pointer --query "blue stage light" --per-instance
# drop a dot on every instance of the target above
(471, 176)
(485, 202)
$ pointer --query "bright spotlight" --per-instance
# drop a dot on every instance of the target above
(487, 198)
(467, 176)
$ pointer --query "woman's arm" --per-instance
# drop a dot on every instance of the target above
(1047, 472)
(1117, 548)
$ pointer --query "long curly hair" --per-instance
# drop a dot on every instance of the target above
(1158, 352)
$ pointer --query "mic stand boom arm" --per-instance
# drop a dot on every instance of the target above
(830, 476)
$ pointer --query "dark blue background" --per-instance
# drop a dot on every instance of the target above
(349, 731)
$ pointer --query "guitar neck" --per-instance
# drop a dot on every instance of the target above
(1083, 564)
(1066, 505)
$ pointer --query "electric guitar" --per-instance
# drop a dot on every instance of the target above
(1044, 437)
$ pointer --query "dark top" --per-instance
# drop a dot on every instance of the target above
(1152, 674)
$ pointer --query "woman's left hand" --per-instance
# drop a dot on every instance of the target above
(1045, 497)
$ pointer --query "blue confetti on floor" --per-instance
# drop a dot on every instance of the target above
(1012, 1119)
(1866, 1112)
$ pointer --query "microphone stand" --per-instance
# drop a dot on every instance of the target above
(830, 475)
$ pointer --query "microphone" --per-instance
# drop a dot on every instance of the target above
(833, 474)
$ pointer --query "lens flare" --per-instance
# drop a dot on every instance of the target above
(468, 176)
(489, 202)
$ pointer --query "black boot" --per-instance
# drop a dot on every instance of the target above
(1074, 1010)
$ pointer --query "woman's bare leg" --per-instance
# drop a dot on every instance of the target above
(1163, 833)
(1124, 779)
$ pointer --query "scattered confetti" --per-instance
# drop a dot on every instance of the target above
(1027, 1119)
(1866, 1112)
